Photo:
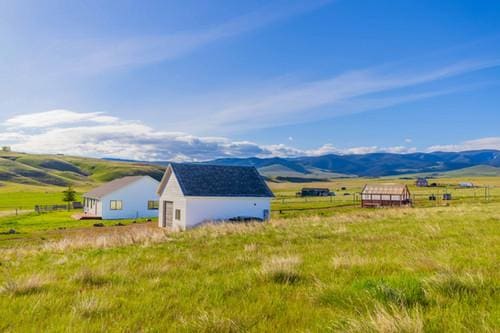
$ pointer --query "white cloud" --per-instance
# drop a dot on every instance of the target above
(477, 144)
(100, 135)
(96, 134)
(400, 150)
(56, 118)
(408, 140)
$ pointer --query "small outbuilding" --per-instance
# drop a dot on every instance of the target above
(191, 194)
(466, 184)
(124, 198)
(380, 195)
(421, 182)
(315, 192)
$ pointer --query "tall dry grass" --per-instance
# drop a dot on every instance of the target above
(282, 269)
(24, 286)
(141, 234)
(393, 319)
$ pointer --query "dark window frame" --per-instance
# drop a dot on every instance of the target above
(153, 204)
(177, 214)
(116, 206)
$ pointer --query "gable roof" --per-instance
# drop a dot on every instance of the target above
(204, 180)
(112, 186)
(384, 189)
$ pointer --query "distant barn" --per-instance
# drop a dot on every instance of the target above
(466, 184)
(315, 192)
(380, 195)
(421, 182)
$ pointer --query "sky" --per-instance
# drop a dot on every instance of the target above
(198, 80)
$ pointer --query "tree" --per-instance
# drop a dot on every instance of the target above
(69, 195)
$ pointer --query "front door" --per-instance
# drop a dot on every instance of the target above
(168, 213)
(266, 214)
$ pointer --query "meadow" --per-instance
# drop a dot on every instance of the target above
(430, 268)
(25, 197)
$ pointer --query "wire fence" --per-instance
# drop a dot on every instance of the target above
(425, 197)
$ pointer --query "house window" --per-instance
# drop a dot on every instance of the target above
(178, 214)
(116, 205)
(153, 204)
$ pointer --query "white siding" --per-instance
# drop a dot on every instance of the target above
(173, 193)
(135, 199)
(93, 207)
(99, 208)
(201, 209)
(196, 210)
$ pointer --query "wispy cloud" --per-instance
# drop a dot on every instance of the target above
(351, 92)
(477, 144)
(96, 55)
(57, 118)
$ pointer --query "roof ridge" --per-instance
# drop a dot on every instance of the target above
(108, 187)
(199, 179)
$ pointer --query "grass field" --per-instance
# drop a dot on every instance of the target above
(25, 197)
(290, 205)
(424, 269)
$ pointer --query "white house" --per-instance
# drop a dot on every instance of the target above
(191, 194)
(124, 198)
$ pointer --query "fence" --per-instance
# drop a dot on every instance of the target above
(420, 198)
(51, 208)
(291, 204)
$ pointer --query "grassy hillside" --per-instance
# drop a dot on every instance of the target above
(475, 171)
(59, 170)
(376, 164)
(386, 270)
(281, 172)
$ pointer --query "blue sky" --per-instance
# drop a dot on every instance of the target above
(196, 80)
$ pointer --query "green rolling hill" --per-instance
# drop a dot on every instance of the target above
(475, 171)
(60, 170)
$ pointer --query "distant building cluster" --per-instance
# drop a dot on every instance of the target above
(421, 182)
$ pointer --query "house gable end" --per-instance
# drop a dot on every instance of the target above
(170, 183)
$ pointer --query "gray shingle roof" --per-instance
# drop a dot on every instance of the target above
(112, 186)
(220, 181)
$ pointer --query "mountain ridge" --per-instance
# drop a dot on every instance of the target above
(376, 164)
(62, 170)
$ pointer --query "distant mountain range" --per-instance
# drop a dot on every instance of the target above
(368, 165)
(60, 170)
